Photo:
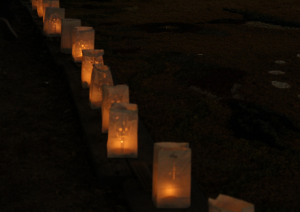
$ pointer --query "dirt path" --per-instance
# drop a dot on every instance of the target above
(44, 163)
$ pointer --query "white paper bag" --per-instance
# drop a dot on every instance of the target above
(225, 203)
(171, 186)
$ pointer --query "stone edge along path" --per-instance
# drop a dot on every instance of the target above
(134, 175)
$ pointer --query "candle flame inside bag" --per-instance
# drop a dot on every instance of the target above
(171, 175)
(82, 38)
(122, 132)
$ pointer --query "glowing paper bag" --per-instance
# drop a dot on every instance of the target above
(89, 58)
(83, 37)
(225, 203)
(49, 3)
(112, 94)
(171, 187)
(34, 4)
(52, 24)
(67, 25)
(123, 130)
(101, 75)
(39, 8)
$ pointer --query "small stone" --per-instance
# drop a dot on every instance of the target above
(280, 62)
(280, 84)
(169, 27)
(235, 88)
(298, 55)
(276, 72)
(204, 92)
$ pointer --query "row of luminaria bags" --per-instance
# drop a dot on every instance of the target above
(172, 161)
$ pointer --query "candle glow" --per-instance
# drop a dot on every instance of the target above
(169, 191)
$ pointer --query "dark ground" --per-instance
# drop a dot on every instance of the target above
(247, 148)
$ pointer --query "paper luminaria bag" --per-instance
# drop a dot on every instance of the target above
(83, 37)
(171, 182)
(39, 8)
(49, 3)
(123, 130)
(101, 75)
(67, 25)
(89, 58)
(34, 3)
(52, 24)
(112, 94)
(225, 203)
